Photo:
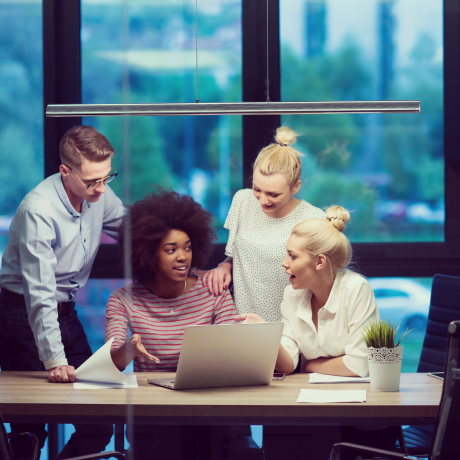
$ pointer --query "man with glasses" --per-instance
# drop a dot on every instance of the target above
(53, 240)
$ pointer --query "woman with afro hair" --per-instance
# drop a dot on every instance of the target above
(170, 235)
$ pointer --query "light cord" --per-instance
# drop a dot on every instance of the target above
(268, 75)
(196, 49)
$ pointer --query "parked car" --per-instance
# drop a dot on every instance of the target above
(402, 301)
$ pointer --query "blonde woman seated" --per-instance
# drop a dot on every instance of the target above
(326, 305)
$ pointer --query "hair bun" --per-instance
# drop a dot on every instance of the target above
(285, 136)
(338, 217)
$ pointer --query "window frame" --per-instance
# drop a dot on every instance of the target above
(62, 84)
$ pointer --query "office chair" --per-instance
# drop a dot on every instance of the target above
(445, 444)
(7, 454)
(444, 308)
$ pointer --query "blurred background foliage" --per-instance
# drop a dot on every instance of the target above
(387, 169)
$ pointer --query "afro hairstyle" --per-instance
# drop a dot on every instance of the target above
(153, 217)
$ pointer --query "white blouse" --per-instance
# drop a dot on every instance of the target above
(351, 304)
(257, 244)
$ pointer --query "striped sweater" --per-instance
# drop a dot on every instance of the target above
(161, 330)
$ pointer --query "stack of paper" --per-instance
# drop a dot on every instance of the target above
(99, 372)
(323, 378)
(331, 396)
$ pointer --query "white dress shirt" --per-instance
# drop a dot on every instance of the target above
(50, 253)
(351, 304)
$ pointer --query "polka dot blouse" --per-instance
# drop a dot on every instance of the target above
(257, 244)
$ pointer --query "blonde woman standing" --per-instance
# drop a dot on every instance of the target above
(259, 223)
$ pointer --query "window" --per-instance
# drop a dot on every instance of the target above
(153, 59)
(21, 106)
(389, 240)
(386, 168)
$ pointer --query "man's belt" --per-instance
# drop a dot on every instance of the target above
(11, 298)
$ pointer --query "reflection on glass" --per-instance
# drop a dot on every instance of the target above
(91, 300)
(200, 156)
(21, 106)
(405, 301)
(387, 168)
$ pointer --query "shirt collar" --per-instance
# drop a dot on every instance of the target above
(64, 197)
(304, 312)
(332, 304)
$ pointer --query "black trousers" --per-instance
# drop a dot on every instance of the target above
(18, 352)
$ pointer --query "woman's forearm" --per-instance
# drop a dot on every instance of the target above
(122, 356)
(284, 361)
(227, 263)
(330, 366)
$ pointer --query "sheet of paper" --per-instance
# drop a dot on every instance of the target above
(99, 368)
(323, 378)
(331, 396)
(131, 382)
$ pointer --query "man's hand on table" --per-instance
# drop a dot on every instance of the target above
(62, 374)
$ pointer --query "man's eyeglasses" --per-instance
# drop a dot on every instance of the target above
(93, 185)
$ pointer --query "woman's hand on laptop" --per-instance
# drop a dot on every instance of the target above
(247, 318)
(140, 351)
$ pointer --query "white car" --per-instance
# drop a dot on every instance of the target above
(402, 301)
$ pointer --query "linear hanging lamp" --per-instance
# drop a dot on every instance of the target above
(231, 108)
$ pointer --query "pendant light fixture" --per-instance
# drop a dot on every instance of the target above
(231, 108)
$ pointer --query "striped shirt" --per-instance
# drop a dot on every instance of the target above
(161, 330)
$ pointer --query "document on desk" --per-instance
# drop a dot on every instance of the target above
(130, 382)
(323, 378)
(99, 372)
(331, 396)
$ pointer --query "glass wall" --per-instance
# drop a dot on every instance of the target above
(388, 169)
(21, 106)
(405, 302)
(142, 51)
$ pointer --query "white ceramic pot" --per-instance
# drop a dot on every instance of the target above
(385, 368)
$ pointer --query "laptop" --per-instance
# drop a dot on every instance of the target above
(226, 355)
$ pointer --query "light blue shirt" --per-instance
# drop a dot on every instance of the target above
(50, 253)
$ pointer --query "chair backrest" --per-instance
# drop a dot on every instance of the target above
(446, 443)
(444, 308)
(5, 450)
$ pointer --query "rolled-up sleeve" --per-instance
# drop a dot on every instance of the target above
(113, 213)
(362, 308)
(288, 340)
(38, 264)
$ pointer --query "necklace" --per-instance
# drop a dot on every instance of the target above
(162, 304)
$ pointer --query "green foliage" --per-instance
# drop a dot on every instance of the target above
(344, 153)
(381, 334)
(147, 165)
(413, 145)
(326, 188)
(21, 103)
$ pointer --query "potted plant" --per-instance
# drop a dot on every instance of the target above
(384, 356)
